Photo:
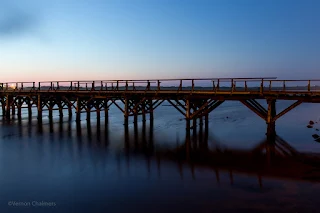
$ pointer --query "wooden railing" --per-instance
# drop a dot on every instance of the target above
(191, 85)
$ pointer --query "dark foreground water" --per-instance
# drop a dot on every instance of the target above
(61, 168)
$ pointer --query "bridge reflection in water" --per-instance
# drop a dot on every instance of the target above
(270, 158)
(140, 167)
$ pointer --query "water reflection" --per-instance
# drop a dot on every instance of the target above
(275, 158)
(66, 161)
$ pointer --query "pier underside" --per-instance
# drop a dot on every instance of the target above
(194, 107)
(141, 97)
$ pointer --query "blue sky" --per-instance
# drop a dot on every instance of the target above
(141, 39)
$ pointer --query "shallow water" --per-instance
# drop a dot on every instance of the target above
(100, 169)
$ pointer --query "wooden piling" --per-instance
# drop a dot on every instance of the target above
(13, 109)
(98, 116)
(50, 112)
(151, 113)
(188, 115)
(106, 112)
(135, 112)
(29, 109)
(60, 111)
(78, 110)
(3, 105)
(8, 102)
(126, 112)
(88, 114)
(39, 109)
(19, 108)
(271, 126)
(143, 112)
(194, 124)
(200, 121)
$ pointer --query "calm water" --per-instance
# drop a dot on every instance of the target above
(100, 169)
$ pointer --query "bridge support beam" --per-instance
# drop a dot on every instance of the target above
(143, 109)
(126, 112)
(200, 109)
(271, 123)
(70, 111)
(19, 107)
(8, 104)
(106, 112)
(29, 109)
(194, 126)
(60, 109)
(188, 115)
(151, 113)
(269, 115)
(3, 106)
(13, 109)
(39, 103)
(50, 113)
(98, 116)
(78, 110)
(88, 114)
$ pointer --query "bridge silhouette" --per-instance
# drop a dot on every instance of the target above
(193, 98)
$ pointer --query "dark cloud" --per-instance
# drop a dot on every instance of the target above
(14, 22)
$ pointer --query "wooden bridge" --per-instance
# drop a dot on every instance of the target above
(193, 98)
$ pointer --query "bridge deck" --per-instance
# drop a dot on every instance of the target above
(226, 88)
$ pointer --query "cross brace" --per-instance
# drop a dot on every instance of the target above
(263, 113)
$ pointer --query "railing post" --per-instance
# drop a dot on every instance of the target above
(93, 86)
(284, 85)
(78, 85)
(270, 85)
(86, 86)
(261, 86)
(180, 86)
(34, 85)
(39, 86)
(245, 86)
(158, 85)
(213, 86)
(126, 85)
(101, 86)
(231, 85)
(71, 85)
(21, 86)
(58, 86)
(148, 87)
(309, 85)
(218, 84)
(192, 85)
(117, 85)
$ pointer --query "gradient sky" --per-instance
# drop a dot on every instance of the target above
(141, 39)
